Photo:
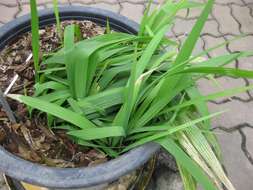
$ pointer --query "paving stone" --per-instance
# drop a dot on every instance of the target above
(243, 44)
(242, 14)
(246, 63)
(208, 86)
(182, 13)
(211, 41)
(132, 11)
(26, 9)
(237, 113)
(7, 14)
(9, 3)
(81, 3)
(105, 1)
(198, 47)
(249, 140)
(111, 7)
(211, 27)
(43, 1)
(238, 167)
(183, 26)
(248, 1)
(194, 12)
(227, 24)
(239, 2)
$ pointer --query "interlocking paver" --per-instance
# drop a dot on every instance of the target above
(237, 113)
(132, 11)
(111, 7)
(248, 1)
(246, 63)
(224, 2)
(243, 44)
(211, 41)
(183, 26)
(43, 1)
(208, 86)
(242, 14)
(81, 3)
(211, 27)
(248, 132)
(238, 167)
(7, 13)
(25, 9)
(9, 2)
(227, 24)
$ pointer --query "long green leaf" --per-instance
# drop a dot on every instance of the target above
(55, 110)
(35, 37)
(98, 133)
(187, 163)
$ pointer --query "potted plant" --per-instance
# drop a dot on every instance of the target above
(125, 94)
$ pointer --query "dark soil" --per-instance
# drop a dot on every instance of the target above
(31, 139)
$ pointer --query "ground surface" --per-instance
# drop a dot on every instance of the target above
(235, 128)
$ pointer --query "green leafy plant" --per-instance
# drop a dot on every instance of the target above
(35, 37)
(117, 91)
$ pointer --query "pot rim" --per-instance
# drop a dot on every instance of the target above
(53, 177)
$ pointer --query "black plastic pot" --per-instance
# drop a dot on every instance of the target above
(61, 178)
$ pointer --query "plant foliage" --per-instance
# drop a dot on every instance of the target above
(118, 91)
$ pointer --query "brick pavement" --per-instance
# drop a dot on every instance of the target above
(229, 19)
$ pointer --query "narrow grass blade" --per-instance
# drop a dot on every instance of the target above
(98, 133)
(191, 40)
(213, 96)
(171, 130)
(35, 37)
(188, 180)
(202, 108)
(54, 110)
(184, 160)
(51, 85)
(57, 18)
(205, 150)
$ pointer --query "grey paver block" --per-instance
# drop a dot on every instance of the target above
(242, 14)
(238, 167)
(211, 41)
(183, 26)
(182, 13)
(249, 140)
(111, 7)
(237, 113)
(246, 63)
(132, 11)
(9, 2)
(26, 9)
(43, 1)
(211, 27)
(81, 3)
(208, 86)
(198, 47)
(239, 2)
(103, 1)
(227, 24)
(243, 44)
(7, 13)
(248, 1)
